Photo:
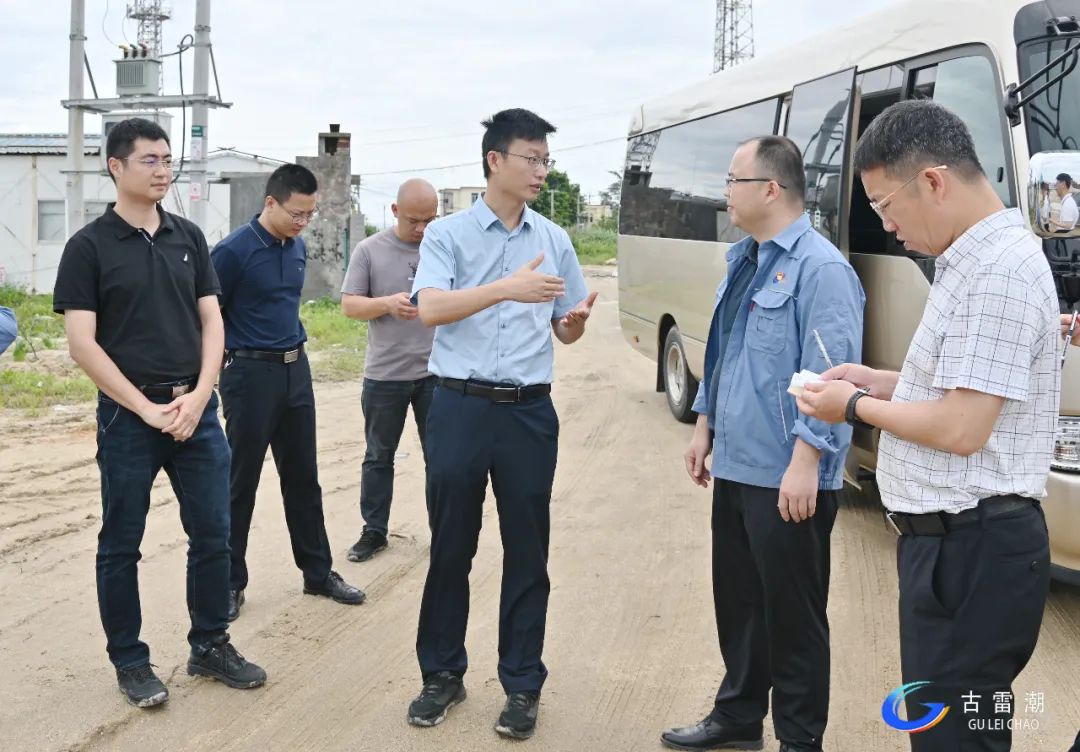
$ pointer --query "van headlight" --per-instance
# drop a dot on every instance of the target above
(1067, 445)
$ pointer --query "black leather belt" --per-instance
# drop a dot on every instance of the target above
(940, 523)
(289, 356)
(497, 392)
(170, 390)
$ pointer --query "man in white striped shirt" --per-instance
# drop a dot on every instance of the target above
(967, 425)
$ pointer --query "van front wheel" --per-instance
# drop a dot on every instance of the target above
(680, 386)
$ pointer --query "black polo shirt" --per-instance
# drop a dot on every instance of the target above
(145, 291)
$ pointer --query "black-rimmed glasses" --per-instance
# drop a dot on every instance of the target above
(534, 162)
(730, 180)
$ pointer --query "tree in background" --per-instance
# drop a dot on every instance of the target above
(561, 195)
(612, 197)
(370, 230)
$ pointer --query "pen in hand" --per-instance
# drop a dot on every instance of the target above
(1068, 338)
(821, 346)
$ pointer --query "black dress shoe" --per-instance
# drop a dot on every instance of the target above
(236, 600)
(709, 734)
(338, 589)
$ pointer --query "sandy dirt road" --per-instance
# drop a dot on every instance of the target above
(631, 643)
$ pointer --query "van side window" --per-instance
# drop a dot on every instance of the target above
(673, 183)
(966, 85)
(818, 122)
(878, 89)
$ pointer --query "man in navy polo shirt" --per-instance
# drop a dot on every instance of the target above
(138, 294)
(266, 391)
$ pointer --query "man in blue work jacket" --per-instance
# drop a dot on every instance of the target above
(790, 302)
(497, 280)
(266, 390)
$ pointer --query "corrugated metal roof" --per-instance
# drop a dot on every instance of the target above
(45, 143)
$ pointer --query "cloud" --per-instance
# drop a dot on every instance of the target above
(422, 73)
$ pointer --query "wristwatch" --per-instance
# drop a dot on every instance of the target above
(849, 411)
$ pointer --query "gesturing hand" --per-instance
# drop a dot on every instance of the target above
(580, 313)
(527, 285)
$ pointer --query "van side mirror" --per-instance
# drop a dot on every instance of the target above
(1054, 194)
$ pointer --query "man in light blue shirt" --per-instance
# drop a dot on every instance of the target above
(9, 329)
(497, 280)
(777, 473)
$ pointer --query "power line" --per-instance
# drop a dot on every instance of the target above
(104, 18)
(472, 163)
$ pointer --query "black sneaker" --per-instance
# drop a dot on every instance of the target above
(518, 719)
(338, 589)
(236, 600)
(141, 686)
(370, 543)
(441, 692)
(224, 663)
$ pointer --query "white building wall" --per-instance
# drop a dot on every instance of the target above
(30, 254)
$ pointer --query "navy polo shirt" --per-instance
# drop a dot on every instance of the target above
(261, 278)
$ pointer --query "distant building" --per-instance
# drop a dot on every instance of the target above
(455, 199)
(593, 213)
(33, 213)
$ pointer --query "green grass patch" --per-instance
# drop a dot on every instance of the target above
(39, 327)
(35, 391)
(336, 343)
(594, 245)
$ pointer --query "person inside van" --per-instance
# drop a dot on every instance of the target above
(967, 426)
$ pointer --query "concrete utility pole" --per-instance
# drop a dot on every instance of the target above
(551, 203)
(200, 113)
(74, 181)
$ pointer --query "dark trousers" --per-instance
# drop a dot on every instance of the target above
(971, 604)
(272, 404)
(385, 405)
(470, 438)
(771, 589)
(130, 455)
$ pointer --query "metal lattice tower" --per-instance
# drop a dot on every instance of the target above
(150, 14)
(734, 33)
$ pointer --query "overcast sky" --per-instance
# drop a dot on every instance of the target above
(410, 79)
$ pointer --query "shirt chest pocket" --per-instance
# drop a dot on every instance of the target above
(767, 327)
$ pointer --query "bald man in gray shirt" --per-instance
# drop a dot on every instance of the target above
(376, 289)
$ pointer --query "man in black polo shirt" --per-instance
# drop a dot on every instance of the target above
(266, 388)
(138, 294)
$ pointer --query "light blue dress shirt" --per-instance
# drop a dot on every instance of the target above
(802, 283)
(8, 328)
(510, 342)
